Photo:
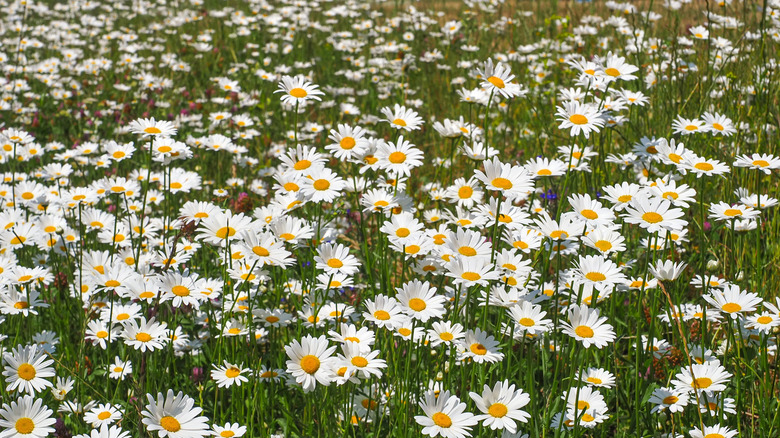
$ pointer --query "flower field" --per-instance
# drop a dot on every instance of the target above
(487, 218)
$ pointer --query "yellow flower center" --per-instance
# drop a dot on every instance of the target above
(465, 192)
(143, 337)
(704, 166)
(702, 383)
(232, 372)
(399, 122)
(761, 163)
(496, 81)
(670, 400)
(152, 130)
(582, 405)
(310, 364)
(467, 251)
(603, 245)
(170, 424)
(594, 380)
(584, 331)
(478, 349)
(227, 434)
(335, 263)
(417, 304)
(298, 93)
(764, 319)
(225, 232)
(381, 315)
(652, 217)
(527, 322)
(731, 307)
(731, 212)
(442, 420)
(347, 143)
(402, 232)
(359, 362)
(102, 334)
(471, 276)
(26, 371)
(502, 183)
(589, 214)
(321, 184)
(397, 157)
(559, 234)
(612, 71)
(578, 119)
(498, 410)
(180, 291)
(18, 240)
(24, 426)
(595, 276)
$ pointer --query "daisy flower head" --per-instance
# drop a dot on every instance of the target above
(26, 417)
(501, 406)
(26, 369)
(385, 312)
(401, 117)
(529, 318)
(514, 182)
(723, 211)
(667, 270)
(668, 398)
(732, 301)
(103, 414)
(580, 118)
(498, 79)
(106, 432)
(445, 332)
(445, 415)
(685, 126)
(229, 430)
(585, 326)
(710, 377)
(310, 361)
(152, 128)
(228, 375)
(297, 90)
(348, 142)
(419, 300)
(713, 431)
(654, 214)
(615, 67)
(399, 158)
(481, 347)
(145, 335)
(704, 166)
(598, 377)
(174, 416)
(359, 363)
(763, 162)
(718, 124)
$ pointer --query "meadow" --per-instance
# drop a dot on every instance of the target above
(478, 218)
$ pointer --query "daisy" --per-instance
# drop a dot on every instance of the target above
(703, 166)
(359, 363)
(654, 214)
(323, 185)
(228, 374)
(446, 333)
(106, 432)
(145, 335)
(419, 300)
(615, 67)
(119, 369)
(498, 79)
(445, 415)
(384, 312)
(103, 415)
(152, 127)
(668, 398)
(620, 195)
(529, 318)
(685, 126)
(713, 431)
(598, 272)
(679, 196)
(298, 90)
(579, 117)
(174, 416)
(605, 240)
(723, 212)
(26, 369)
(471, 271)
(763, 162)
(710, 377)
(718, 124)
(598, 377)
(398, 158)
(733, 301)
(481, 347)
(229, 430)
(667, 270)
(590, 210)
(348, 142)
(501, 406)
(541, 166)
(336, 258)
(585, 326)
(310, 361)
(513, 181)
(26, 417)
(401, 117)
